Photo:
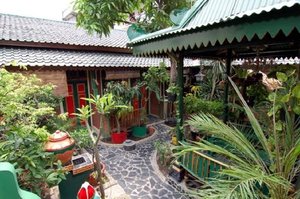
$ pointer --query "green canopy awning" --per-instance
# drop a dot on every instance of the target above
(213, 23)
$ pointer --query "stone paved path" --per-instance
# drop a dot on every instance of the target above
(133, 170)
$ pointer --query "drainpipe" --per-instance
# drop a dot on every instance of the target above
(89, 93)
(226, 91)
(61, 106)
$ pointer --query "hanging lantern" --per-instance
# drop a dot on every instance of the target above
(199, 77)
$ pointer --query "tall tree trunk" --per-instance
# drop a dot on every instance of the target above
(97, 156)
(98, 161)
(173, 71)
(173, 75)
(118, 125)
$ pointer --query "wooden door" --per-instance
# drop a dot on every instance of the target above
(70, 103)
(74, 100)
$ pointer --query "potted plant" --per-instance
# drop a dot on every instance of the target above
(172, 92)
(154, 79)
(123, 95)
(141, 130)
(120, 136)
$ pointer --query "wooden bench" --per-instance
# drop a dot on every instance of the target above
(9, 187)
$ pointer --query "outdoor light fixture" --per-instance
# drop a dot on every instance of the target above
(200, 76)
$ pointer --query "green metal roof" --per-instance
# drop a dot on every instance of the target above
(211, 21)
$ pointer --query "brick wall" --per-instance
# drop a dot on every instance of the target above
(56, 77)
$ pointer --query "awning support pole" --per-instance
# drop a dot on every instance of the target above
(226, 91)
(179, 126)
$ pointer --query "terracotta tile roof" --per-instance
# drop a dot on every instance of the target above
(50, 57)
(73, 58)
(28, 29)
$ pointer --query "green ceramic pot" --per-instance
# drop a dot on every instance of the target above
(139, 131)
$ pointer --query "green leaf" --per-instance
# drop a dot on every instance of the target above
(272, 97)
(285, 98)
(296, 109)
(281, 76)
(296, 91)
(278, 126)
(290, 72)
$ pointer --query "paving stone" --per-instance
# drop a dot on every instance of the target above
(162, 192)
(124, 173)
(152, 182)
(155, 197)
(133, 170)
(146, 188)
(154, 191)
(143, 193)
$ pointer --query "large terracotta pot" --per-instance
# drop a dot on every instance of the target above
(62, 145)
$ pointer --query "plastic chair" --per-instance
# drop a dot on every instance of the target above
(9, 187)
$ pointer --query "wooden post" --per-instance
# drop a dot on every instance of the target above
(179, 125)
(226, 91)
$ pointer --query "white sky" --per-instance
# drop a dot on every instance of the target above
(47, 9)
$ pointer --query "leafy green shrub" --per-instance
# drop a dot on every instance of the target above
(25, 106)
(164, 153)
(193, 104)
(60, 122)
(36, 168)
(82, 138)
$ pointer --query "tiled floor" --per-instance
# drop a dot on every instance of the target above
(133, 170)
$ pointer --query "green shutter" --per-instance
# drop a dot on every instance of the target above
(93, 83)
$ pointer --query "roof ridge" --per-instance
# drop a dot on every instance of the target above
(52, 20)
(39, 30)
(29, 17)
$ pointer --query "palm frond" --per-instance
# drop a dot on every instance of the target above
(254, 123)
(211, 125)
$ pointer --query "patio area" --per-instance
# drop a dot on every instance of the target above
(136, 172)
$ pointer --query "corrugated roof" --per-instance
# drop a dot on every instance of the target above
(268, 61)
(72, 58)
(28, 29)
(209, 12)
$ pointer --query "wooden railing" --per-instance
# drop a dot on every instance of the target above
(131, 119)
(200, 165)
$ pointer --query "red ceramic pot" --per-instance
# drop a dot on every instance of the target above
(61, 144)
(118, 137)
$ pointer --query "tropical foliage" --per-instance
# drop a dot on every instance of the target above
(82, 138)
(122, 95)
(101, 16)
(214, 74)
(194, 104)
(155, 77)
(104, 105)
(265, 168)
(25, 105)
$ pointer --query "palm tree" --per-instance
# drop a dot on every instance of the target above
(262, 169)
